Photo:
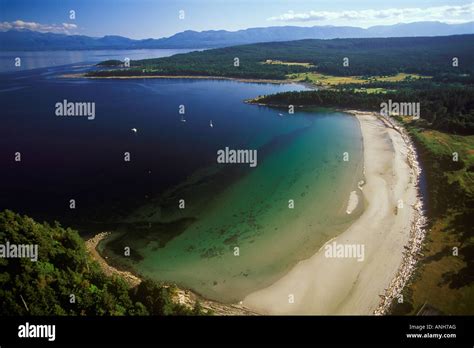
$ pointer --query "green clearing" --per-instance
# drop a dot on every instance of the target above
(443, 280)
(386, 58)
(270, 61)
(325, 80)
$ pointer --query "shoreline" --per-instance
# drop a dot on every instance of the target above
(197, 77)
(392, 238)
(91, 246)
(417, 232)
(184, 297)
(189, 77)
(354, 300)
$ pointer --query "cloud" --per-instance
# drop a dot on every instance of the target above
(63, 28)
(454, 14)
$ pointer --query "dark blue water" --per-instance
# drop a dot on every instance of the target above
(45, 59)
(67, 158)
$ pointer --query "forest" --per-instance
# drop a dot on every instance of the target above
(64, 268)
(449, 109)
(432, 56)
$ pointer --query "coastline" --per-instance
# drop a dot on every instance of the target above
(412, 250)
(91, 246)
(184, 297)
(190, 77)
(197, 77)
(417, 232)
(391, 236)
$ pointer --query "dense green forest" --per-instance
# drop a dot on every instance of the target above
(374, 56)
(448, 109)
(64, 268)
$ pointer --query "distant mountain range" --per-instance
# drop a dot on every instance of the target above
(25, 40)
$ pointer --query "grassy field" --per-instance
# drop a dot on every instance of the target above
(429, 283)
(279, 62)
(372, 90)
(399, 77)
(325, 80)
(445, 280)
(447, 144)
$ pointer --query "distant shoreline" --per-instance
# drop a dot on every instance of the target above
(193, 77)
(190, 77)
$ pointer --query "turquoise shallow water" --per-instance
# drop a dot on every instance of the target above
(227, 206)
(304, 163)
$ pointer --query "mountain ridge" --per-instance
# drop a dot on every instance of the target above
(25, 40)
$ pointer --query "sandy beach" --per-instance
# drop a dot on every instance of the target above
(388, 227)
(91, 246)
(189, 77)
(193, 77)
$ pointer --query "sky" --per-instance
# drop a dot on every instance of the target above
(140, 19)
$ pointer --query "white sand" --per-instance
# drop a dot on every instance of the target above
(323, 285)
(353, 201)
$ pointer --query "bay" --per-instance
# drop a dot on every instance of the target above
(237, 232)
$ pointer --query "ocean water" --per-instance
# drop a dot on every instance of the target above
(46, 59)
(237, 232)
(253, 214)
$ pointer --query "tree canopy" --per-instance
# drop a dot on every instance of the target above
(65, 270)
